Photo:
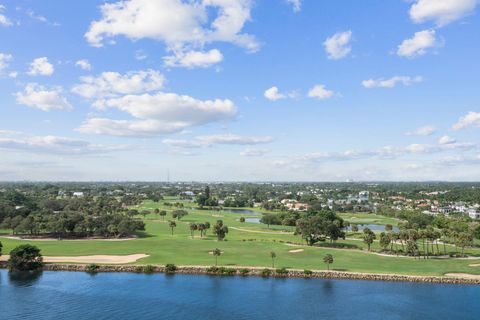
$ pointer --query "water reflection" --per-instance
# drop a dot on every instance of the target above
(24, 278)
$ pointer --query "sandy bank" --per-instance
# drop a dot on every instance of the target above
(105, 259)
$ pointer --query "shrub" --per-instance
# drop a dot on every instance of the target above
(307, 273)
(281, 271)
(244, 272)
(266, 272)
(92, 268)
(170, 268)
(138, 269)
(149, 269)
(228, 271)
(213, 269)
(25, 258)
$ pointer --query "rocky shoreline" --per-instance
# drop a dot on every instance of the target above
(260, 272)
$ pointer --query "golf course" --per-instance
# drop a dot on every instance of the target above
(246, 244)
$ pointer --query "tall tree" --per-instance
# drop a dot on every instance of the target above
(328, 260)
(273, 255)
(216, 253)
(172, 225)
(220, 230)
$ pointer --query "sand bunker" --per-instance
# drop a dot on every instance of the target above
(211, 252)
(464, 275)
(107, 259)
(474, 265)
(295, 251)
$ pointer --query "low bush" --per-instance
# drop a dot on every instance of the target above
(213, 269)
(266, 272)
(92, 268)
(149, 269)
(170, 268)
(281, 272)
(244, 272)
(307, 273)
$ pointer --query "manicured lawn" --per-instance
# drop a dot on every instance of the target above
(249, 246)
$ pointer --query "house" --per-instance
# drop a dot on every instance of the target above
(474, 214)
(78, 194)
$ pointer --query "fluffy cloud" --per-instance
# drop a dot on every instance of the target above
(4, 61)
(56, 145)
(423, 131)
(180, 24)
(471, 119)
(273, 94)
(158, 114)
(390, 83)
(418, 45)
(442, 12)
(193, 59)
(45, 99)
(84, 64)
(208, 141)
(319, 91)
(296, 4)
(338, 45)
(41, 67)
(111, 84)
(4, 21)
(446, 140)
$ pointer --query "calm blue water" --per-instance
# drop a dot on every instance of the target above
(77, 295)
(242, 211)
(373, 227)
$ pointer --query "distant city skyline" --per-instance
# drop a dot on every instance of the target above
(239, 90)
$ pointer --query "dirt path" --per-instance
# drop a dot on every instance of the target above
(107, 259)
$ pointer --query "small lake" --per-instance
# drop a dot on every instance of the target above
(125, 296)
(251, 220)
(373, 227)
(242, 211)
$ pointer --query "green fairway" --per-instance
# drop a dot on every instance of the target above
(247, 244)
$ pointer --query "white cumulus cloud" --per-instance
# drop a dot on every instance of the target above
(182, 25)
(158, 113)
(391, 82)
(111, 84)
(423, 131)
(4, 61)
(442, 12)
(193, 59)
(443, 140)
(418, 45)
(273, 94)
(338, 45)
(40, 97)
(41, 67)
(471, 119)
(83, 64)
(319, 91)
(4, 21)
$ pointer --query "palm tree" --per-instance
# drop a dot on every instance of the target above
(193, 227)
(328, 259)
(216, 253)
(172, 225)
(273, 255)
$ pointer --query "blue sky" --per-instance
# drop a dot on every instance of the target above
(277, 90)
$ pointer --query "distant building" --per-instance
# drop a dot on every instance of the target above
(78, 194)
(363, 195)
